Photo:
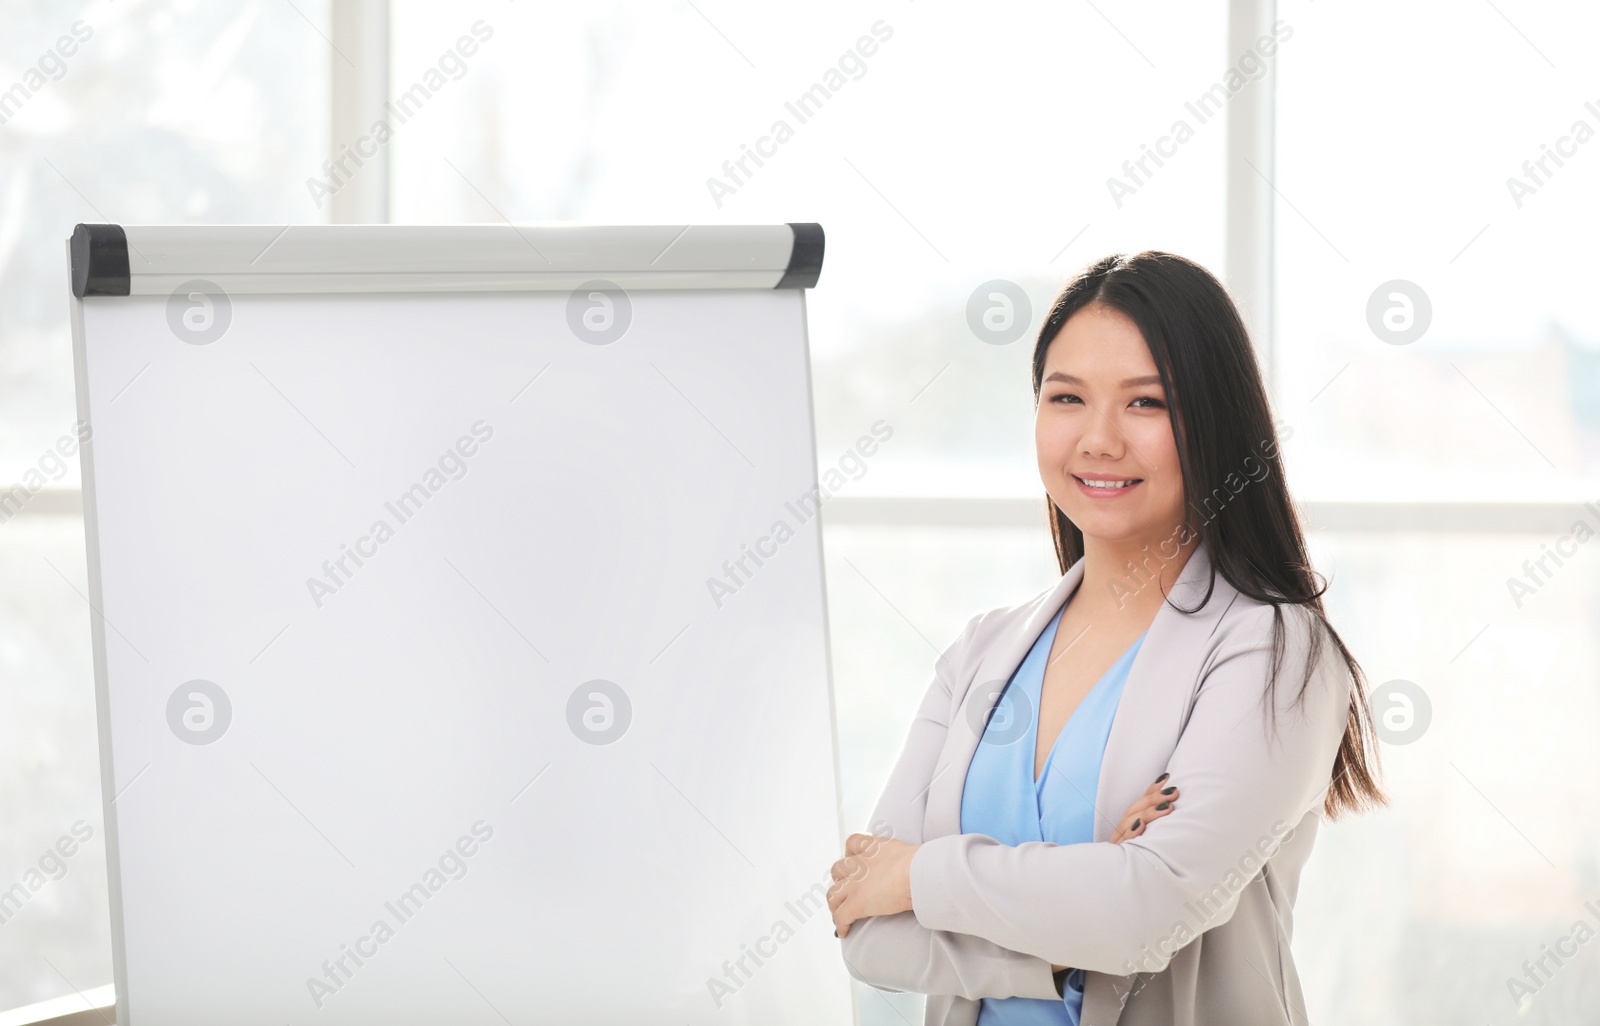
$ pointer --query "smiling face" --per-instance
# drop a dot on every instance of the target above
(1102, 420)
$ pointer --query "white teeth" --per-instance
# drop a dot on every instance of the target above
(1108, 484)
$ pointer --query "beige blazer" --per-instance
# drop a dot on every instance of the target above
(1186, 925)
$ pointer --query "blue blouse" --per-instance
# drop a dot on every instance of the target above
(1001, 799)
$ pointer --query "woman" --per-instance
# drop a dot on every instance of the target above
(993, 881)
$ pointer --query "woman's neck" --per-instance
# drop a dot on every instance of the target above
(1131, 577)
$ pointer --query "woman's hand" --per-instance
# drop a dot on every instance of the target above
(873, 879)
(1156, 802)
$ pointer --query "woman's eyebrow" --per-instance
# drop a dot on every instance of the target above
(1148, 379)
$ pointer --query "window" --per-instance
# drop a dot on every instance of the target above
(1447, 159)
(162, 112)
(938, 152)
(1426, 176)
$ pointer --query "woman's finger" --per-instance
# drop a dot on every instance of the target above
(842, 918)
(855, 844)
(1155, 812)
(1139, 809)
(1150, 807)
(1150, 802)
(1162, 785)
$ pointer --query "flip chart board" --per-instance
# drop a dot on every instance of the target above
(439, 676)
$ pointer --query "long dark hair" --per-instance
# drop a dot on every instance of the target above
(1220, 419)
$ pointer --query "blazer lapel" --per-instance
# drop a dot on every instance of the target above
(995, 667)
(1159, 692)
(1149, 717)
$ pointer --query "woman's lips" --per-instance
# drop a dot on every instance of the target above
(1105, 493)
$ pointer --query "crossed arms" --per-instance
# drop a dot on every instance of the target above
(990, 919)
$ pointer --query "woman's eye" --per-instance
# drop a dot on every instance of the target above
(1069, 397)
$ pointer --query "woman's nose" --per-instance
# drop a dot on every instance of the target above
(1101, 437)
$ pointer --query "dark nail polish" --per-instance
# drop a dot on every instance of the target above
(1163, 777)
(1135, 825)
(1169, 790)
(1163, 806)
(836, 932)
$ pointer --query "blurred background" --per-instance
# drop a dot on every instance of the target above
(1402, 196)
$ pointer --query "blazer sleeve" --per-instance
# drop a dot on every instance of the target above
(897, 953)
(1122, 908)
